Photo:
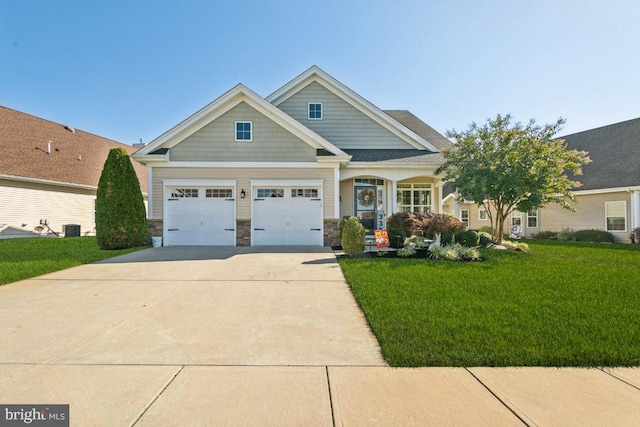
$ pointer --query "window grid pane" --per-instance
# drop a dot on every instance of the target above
(243, 131)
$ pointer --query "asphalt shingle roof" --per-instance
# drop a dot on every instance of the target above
(615, 155)
(408, 119)
(76, 157)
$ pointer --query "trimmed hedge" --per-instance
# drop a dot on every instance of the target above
(468, 238)
(121, 219)
(352, 239)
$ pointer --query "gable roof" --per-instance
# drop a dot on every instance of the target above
(223, 104)
(408, 119)
(615, 154)
(75, 157)
(315, 74)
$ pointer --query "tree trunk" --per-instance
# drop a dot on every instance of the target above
(498, 230)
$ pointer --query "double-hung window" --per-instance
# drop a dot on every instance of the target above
(482, 214)
(244, 131)
(616, 215)
(532, 219)
(464, 217)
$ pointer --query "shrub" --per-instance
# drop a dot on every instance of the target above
(455, 252)
(546, 235)
(485, 238)
(397, 237)
(516, 246)
(352, 236)
(486, 229)
(442, 224)
(567, 235)
(594, 236)
(406, 252)
(468, 238)
(121, 220)
(416, 242)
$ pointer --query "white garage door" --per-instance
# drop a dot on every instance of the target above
(200, 216)
(287, 216)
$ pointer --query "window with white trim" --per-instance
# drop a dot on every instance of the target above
(615, 214)
(244, 131)
(482, 214)
(516, 218)
(532, 219)
(414, 198)
(315, 111)
(464, 217)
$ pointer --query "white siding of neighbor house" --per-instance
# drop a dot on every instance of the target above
(243, 177)
(216, 141)
(22, 206)
(341, 124)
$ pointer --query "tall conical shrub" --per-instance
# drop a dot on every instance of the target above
(121, 220)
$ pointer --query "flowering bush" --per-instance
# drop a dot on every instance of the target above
(516, 246)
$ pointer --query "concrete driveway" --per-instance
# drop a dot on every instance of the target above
(239, 336)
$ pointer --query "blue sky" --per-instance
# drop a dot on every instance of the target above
(133, 69)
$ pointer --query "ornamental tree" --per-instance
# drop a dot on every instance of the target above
(505, 167)
(121, 220)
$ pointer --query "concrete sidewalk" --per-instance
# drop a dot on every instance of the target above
(239, 336)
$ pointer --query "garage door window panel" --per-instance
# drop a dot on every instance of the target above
(184, 192)
(221, 193)
(270, 192)
(304, 192)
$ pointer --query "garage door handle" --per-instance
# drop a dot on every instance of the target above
(316, 200)
(173, 200)
(258, 229)
(174, 229)
(229, 229)
(229, 200)
(315, 229)
(257, 200)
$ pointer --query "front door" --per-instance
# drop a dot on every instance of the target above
(366, 203)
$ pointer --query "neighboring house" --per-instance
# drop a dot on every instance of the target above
(284, 170)
(609, 198)
(49, 171)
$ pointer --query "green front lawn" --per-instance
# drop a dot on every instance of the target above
(563, 304)
(24, 258)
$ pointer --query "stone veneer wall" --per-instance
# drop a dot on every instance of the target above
(155, 228)
(332, 232)
(243, 232)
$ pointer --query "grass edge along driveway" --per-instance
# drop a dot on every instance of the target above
(25, 258)
(563, 304)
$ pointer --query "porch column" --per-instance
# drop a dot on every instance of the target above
(635, 209)
(456, 205)
(394, 197)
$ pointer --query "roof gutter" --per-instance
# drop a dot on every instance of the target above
(49, 182)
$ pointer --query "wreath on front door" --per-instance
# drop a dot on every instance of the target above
(366, 197)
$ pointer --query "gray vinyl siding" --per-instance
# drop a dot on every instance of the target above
(243, 177)
(341, 124)
(590, 213)
(216, 141)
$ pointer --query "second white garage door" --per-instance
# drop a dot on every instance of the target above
(287, 215)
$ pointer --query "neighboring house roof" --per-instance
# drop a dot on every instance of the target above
(615, 154)
(75, 157)
(221, 105)
(392, 122)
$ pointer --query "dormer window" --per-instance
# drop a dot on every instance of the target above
(243, 131)
(315, 111)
